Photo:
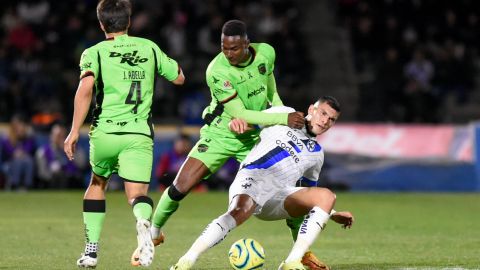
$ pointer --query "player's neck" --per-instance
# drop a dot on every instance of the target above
(247, 60)
(113, 35)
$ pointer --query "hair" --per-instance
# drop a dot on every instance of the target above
(114, 15)
(234, 28)
(333, 102)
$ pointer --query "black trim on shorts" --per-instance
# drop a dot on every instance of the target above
(134, 181)
(130, 133)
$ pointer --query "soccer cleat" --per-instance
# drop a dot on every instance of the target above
(87, 260)
(311, 262)
(295, 265)
(135, 260)
(145, 249)
(182, 264)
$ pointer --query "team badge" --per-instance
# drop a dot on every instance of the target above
(227, 85)
(202, 148)
(262, 69)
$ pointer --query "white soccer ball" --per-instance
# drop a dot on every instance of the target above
(246, 254)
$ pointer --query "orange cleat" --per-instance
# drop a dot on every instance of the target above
(310, 261)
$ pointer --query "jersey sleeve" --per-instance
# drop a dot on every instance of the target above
(221, 87)
(166, 66)
(89, 63)
(269, 53)
(236, 109)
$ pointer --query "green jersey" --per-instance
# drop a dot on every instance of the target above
(249, 83)
(125, 68)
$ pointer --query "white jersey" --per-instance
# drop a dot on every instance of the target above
(282, 156)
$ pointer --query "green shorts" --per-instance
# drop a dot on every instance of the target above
(129, 155)
(214, 149)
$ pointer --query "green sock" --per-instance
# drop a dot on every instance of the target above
(142, 210)
(93, 217)
(165, 208)
(294, 225)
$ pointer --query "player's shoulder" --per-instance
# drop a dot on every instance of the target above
(279, 109)
(218, 65)
(263, 49)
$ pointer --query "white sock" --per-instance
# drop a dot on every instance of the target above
(155, 231)
(312, 225)
(213, 234)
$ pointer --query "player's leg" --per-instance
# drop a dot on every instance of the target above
(103, 161)
(317, 204)
(205, 158)
(241, 208)
(142, 207)
(135, 167)
(93, 218)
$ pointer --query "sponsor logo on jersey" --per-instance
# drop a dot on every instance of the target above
(289, 148)
(262, 69)
(131, 59)
(85, 66)
(256, 91)
(202, 148)
(215, 80)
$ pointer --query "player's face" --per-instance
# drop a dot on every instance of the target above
(323, 118)
(235, 49)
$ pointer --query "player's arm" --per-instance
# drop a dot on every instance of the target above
(83, 98)
(167, 67)
(272, 91)
(181, 78)
(236, 109)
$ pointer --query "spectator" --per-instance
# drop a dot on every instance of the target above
(53, 168)
(17, 150)
(171, 161)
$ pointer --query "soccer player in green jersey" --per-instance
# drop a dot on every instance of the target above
(242, 84)
(122, 69)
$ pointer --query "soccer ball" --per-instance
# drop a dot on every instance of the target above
(246, 254)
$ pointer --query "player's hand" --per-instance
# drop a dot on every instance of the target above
(296, 120)
(70, 144)
(344, 218)
(239, 126)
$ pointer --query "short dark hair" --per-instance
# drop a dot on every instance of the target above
(234, 28)
(114, 15)
(333, 102)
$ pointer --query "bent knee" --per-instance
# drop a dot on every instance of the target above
(324, 197)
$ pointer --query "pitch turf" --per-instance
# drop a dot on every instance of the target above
(43, 230)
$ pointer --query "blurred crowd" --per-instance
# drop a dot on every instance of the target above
(41, 42)
(40, 45)
(413, 58)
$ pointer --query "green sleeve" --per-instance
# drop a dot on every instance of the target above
(272, 91)
(167, 67)
(236, 109)
(89, 63)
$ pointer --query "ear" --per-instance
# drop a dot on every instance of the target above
(311, 109)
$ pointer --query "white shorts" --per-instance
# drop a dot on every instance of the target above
(269, 196)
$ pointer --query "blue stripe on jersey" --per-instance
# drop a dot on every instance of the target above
(269, 159)
(312, 145)
(295, 147)
(307, 182)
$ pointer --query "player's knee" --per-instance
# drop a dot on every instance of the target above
(175, 194)
(325, 197)
(240, 214)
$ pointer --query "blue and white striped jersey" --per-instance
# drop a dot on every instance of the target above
(284, 154)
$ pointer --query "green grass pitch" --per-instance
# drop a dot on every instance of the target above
(43, 230)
